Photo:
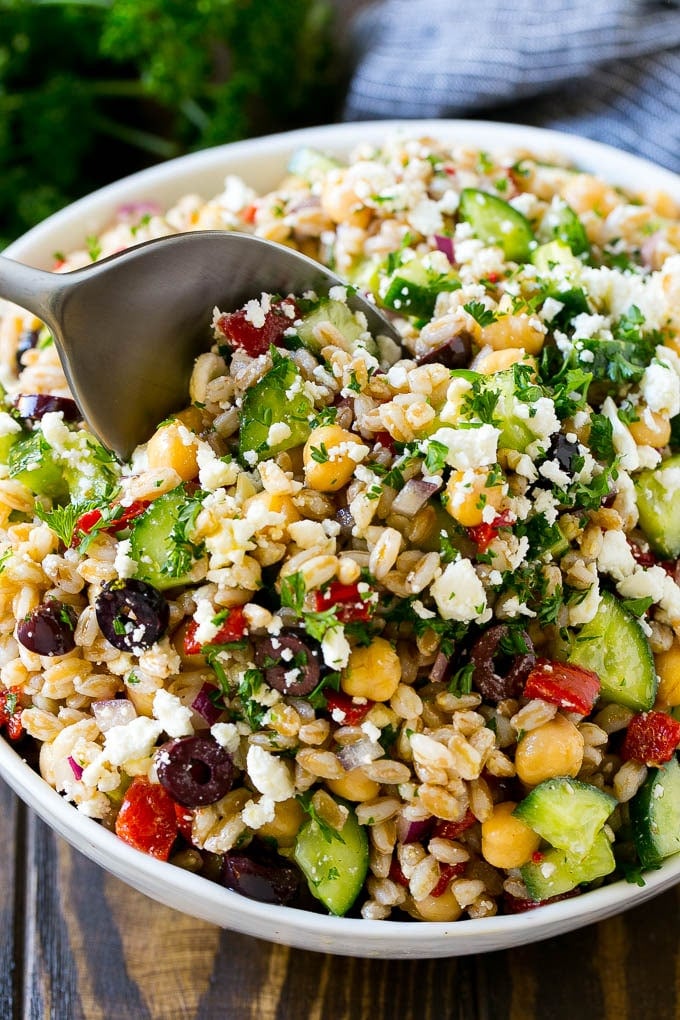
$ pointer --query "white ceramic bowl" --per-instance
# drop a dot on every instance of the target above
(262, 163)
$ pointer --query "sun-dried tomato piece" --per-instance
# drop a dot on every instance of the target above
(651, 738)
(232, 629)
(352, 607)
(340, 704)
(572, 688)
(255, 337)
(147, 819)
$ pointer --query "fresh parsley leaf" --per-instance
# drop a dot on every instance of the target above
(602, 438)
(183, 550)
(480, 313)
(327, 831)
(293, 592)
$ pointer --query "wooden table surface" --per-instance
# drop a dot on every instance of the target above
(77, 944)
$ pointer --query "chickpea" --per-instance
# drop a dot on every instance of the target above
(668, 667)
(513, 331)
(288, 818)
(491, 361)
(373, 671)
(192, 417)
(172, 445)
(275, 503)
(507, 842)
(355, 786)
(437, 908)
(468, 493)
(553, 749)
(330, 457)
(652, 429)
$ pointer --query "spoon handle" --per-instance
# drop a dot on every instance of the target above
(36, 290)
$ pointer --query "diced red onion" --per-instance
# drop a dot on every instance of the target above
(135, 210)
(445, 244)
(203, 705)
(76, 769)
(412, 828)
(361, 752)
(414, 496)
(439, 666)
(113, 712)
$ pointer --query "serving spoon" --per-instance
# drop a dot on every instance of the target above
(128, 328)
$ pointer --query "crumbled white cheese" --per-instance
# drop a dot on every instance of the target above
(460, 594)
(227, 736)
(269, 774)
(174, 717)
(135, 739)
(335, 648)
(467, 448)
(278, 433)
(615, 557)
(660, 386)
(8, 425)
(123, 563)
(644, 583)
(257, 813)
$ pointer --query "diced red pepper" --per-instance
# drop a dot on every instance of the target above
(446, 873)
(645, 558)
(239, 331)
(352, 608)
(386, 440)
(483, 534)
(88, 521)
(569, 687)
(520, 904)
(185, 818)
(339, 703)
(452, 830)
(233, 629)
(147, 818)
(10, 713)
(248, 214)
(651, 738)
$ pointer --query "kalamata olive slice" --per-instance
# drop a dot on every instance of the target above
(195, 770)
(564, 452)
(48, 630)
(291, 665)
(261, 876)
(132, 614)
(32, 406)
(499, 674)
(27, 340)
(453, 353)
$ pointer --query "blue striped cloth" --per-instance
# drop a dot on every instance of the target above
(606, 69)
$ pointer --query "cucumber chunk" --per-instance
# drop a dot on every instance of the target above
(511, 415)
(561, 223)
(658, 499)
(559, 872)
(83, 468)
(567, 813)
(311, 164)
(335, 868)
(152, 540)
(495, 221)
(615, 647)
(412, 288)
(33, 463)
(278, 398)
(339, 315)
(655, 815)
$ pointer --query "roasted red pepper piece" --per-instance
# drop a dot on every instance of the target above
(452, 830)
(185, 818)
(352, 608)
(520, 904)
(90, 520)
(483, 534)
(339, 703)
(569, 687)
(651, 738)
(239, 331)
(147, 818)
(396, 874)
(10, 713)
(446, 873)
(233, 629)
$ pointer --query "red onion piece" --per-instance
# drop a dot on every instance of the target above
(413, 829)
(414, 496)
(445, 244)
(361, 752)
(203, 705)
(113, 712)
(439, 667)
(76, 769)
(135, 210)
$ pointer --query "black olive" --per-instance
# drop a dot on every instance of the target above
(564, 452)
(132, 614)
(48, 630)
(261, 875)
(291, 665)
(32, 406)
(28, 339)
(487, 655)
(195, 770)
(453, 353)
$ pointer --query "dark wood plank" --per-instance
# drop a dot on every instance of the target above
(12, 821)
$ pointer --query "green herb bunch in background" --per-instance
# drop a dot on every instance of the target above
(93, 89)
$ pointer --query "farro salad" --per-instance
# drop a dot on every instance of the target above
(370, 630)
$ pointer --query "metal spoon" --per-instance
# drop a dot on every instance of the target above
(129, 328)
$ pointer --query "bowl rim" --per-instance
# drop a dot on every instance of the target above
(214, 903)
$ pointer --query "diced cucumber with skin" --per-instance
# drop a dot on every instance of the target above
(562, 223)
(658, 500)
(32, 462)
(412, 288)
(496, 222)
(311, 164)
(341, 316)
(655, 815)
(335, 868)
(554, 254)
(558, 872)
(277, 399)
(567, 813)
(614, 645)
(84, 469)
(151, 543)
(515, 428)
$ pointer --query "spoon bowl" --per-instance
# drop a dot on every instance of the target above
(128, 328)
